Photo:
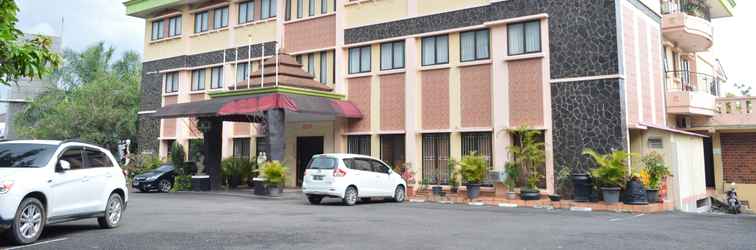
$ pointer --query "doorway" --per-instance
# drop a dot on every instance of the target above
(709, 162)
(306, 148)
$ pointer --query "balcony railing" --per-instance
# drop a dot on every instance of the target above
(736, 105)
(692, 82)
(691, 7)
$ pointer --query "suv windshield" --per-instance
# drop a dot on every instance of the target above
(165, 168)
(322, 163)
(25, 155)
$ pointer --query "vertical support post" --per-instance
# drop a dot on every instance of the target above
(276, 140)
(212, 131)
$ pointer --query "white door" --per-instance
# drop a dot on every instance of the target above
(99, 170)
(364, 177)
(384, 187)
(68, 186)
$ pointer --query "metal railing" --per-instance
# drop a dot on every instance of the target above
(738, 105)
(692, 82)
(691, 7)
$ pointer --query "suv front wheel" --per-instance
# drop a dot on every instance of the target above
(29, 223)
(113, 212)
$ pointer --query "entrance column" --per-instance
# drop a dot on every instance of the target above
(212, 131)
(275, 127)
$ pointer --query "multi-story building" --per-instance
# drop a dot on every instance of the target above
(431, 81)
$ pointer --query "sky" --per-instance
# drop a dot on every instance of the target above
(89, 21)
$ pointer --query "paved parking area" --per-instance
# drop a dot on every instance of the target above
(204, 221)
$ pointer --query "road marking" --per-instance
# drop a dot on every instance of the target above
(509, 205)
(621, 219)
(37, 244)
(581, 209)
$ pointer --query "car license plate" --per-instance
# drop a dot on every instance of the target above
(317, 177)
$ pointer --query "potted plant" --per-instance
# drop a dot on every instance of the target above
(234, 169)
(611, 173)
(409, 177)
(529, 154)
(473, 168)
(275, 176)
(562, 184)
(513, 172)
(653, 174)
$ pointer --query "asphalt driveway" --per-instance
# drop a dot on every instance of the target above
(204, 221)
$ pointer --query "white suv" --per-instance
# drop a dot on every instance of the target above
(46, 182)
(349, 177)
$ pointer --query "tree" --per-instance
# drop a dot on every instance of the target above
(20, 57)
(745, 90)
(98, 102)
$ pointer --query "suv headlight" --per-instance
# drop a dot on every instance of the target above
(5, 186)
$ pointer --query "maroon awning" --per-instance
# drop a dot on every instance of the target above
(252, 105)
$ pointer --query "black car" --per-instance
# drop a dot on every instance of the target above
(159, 179)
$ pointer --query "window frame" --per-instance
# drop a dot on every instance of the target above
(213, 78)
(87, 161)
(475, 45)
(300, 8)
(244, 145)
(323, 6)
(393, 50)
(250, 15)
(177, 26)
(200, 75)
(157, 34)
(246, 72)
(202, 21)
(271, 4)
(363, 146)
(359, 58)
(311, 7)
(81, 149)
(435, 50)
(524, 38)
(480, 137)
(323, 67)
(224, 16)
(311, 63)
(174, 81)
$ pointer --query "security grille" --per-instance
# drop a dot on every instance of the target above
(358, 144)
(436, 158)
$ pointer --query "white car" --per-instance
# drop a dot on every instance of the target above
(47, 182)
(350, 177)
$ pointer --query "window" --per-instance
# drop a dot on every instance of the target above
(171, 82)
(268, 9)
(300, 8)
(436, 158)
(379, 167)
(198, 79)
(97, 159)
(685, 73)
(74, 157)
(220, 17)
(392, 55)
(311, 63)
(200, 22)
(195, 149)
(435, 50)
(358, 144)
(241, 148)
(479, 143)
(359, 164)
(323, 67)
(299, 59)
(157, 30)
(174, 26)
(524, 37)
(474, 45)
(311, 8)
(323, 162)
(216, 77)
(168, 144)
(323, 6)
(392, 150)
(242, 70)
(261, 145)
(359, 60)
(246, 12)
(288, 10)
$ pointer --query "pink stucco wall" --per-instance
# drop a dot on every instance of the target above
(359, 94)
(311, 34)
(392, 102)
(435, 99)
(631, 76)
(476, 96)
(526, 92)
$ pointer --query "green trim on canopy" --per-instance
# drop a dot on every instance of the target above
(278, 89)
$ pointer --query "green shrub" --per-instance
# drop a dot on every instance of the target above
(513, 172)
(612, 168)
(182, 183)
(529, 153)
(274, 173)
(654, 169)
(473, 168)
(178, 157)
(234, 166)
(140, 163)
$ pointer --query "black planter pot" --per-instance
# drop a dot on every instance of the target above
(611, 195)
(635, 194)
(234, 181)
(530, 195)
(275, 191)
(436, 190)
(201, 183)
(555, 197)
(473, 191)
(652, 195)
(583, 186)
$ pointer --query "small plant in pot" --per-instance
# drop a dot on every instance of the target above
(513, 172)
(234, 170)
(653, 174)
(275, 176)
(473, 168)
(611, 173)
(454, 181)
(563, 181)
(529, 153)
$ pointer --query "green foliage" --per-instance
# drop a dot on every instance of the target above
(455, 175)
(20, 57)
(139, 163)
(473, 168)
(513, 172)
(97, 105)
(612, 168)
(234, 166)
(563, 182)
(654, 167)
(274, 173)
(178, 158)
(182, 183)
(528, 153)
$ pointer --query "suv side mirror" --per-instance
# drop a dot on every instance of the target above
(63, 166)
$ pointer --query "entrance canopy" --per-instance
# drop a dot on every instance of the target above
(236, 106)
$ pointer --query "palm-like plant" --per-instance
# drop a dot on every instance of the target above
(274, 173)
(529, 154)
(612, 167)
(473, 168)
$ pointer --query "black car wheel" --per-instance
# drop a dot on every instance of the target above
(399, 194)
(350, 196)
(31, 218)
(113, 212)
(314, 199)
(164, 186)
